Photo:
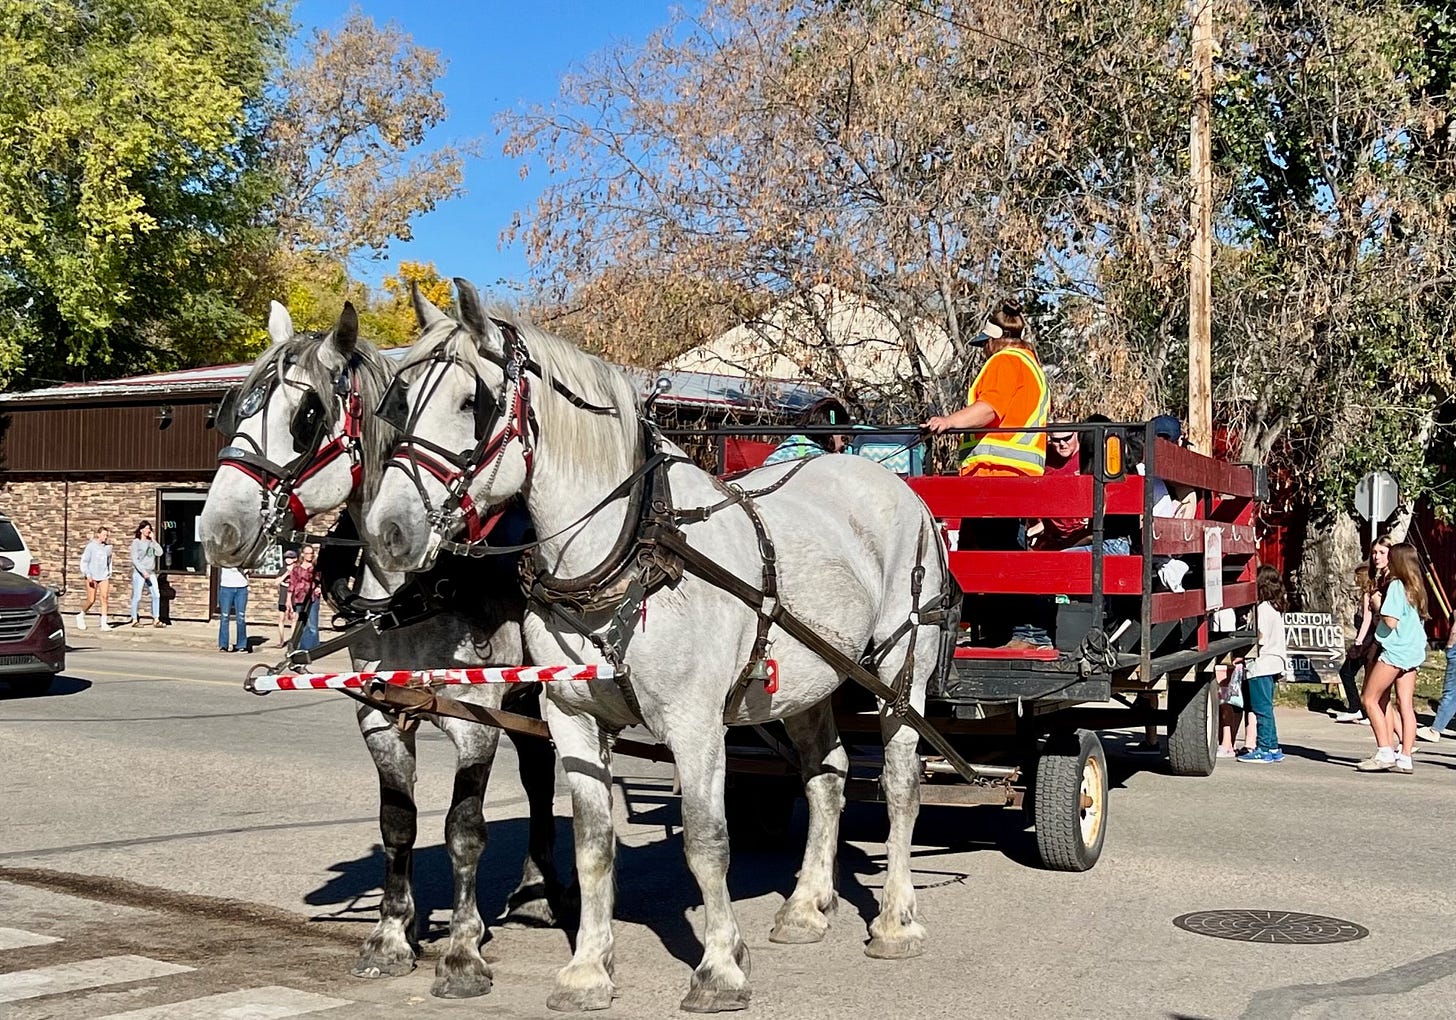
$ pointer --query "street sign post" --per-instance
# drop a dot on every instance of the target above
(1376, 497)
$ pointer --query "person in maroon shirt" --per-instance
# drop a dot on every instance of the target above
(1064, 454)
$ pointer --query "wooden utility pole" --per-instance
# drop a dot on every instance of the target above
(1200, 255)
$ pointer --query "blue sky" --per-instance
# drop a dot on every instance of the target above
(500, 55)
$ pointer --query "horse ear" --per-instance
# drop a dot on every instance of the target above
(346, 330)
(472, 313)
(426, 314)
(280, 323)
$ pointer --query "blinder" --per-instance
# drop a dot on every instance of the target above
(394, 409)
(308, 421)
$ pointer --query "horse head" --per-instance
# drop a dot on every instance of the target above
(295, 430)
(460, 404)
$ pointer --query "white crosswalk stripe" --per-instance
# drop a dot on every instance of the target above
(84, 974)
(14, 938)
(268, 1003)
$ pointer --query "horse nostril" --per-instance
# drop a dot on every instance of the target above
(396, 541)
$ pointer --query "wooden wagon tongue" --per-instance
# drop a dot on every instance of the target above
(424, 678)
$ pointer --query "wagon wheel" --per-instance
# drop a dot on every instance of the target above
(1193, 736)
(1070, 801)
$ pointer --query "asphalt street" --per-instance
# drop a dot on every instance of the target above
(173, 847)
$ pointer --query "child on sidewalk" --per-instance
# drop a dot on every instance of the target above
(1401, 635)
(1270, 663)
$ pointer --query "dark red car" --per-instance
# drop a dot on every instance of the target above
(32, 634)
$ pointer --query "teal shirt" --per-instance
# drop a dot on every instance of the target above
(793, 448)
(1404, 645)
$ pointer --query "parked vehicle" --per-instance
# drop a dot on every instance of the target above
(14, 549)
(32, 634)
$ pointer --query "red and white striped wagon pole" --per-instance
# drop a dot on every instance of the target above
(355, 681)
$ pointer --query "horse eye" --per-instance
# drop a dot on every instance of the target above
(468, 404)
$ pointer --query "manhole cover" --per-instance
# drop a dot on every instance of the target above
(1278, 926)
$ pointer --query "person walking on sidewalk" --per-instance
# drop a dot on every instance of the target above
(232, 602)
(1271, 662)
(96, 568)
(1357, 656)
(146, 554)
(285, 607)
(1446, 710)
(304, 590)
(1401, 634)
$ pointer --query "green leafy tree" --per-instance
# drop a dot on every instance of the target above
(132, 177)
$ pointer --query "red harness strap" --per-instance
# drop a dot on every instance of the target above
(448, 475)
(326, 455)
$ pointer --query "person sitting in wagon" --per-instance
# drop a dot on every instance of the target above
(828, 411)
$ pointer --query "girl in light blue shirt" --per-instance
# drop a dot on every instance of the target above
(1400, 633)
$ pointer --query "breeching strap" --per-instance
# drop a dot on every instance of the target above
(896, 700)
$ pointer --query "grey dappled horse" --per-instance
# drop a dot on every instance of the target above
(849, 536)
(293, 455)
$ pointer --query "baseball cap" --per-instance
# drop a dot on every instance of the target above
(990, 331)
(290, 555)
(1165, 426)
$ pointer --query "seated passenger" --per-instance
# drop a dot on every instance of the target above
(798, 447)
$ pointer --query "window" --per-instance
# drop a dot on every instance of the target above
(10, 538)
(177, 535)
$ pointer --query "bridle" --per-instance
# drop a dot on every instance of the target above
(280, 482)
(497, 425)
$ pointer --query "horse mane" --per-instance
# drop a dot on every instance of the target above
(574, 440)
(305, 351)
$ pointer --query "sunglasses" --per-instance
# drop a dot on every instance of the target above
(1062, 440)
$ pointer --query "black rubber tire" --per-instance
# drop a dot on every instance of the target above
(760, 810)
(1193, 735)
(1069, 836)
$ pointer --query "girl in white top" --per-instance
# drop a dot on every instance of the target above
(1268, 665)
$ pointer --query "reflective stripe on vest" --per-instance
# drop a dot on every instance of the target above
(1022, 452)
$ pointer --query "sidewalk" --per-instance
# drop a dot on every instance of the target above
(194, 635)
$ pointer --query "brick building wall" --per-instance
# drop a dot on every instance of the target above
(57, 519)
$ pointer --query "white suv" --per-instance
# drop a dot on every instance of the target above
(14, 549)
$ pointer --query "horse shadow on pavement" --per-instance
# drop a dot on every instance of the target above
(655, 889)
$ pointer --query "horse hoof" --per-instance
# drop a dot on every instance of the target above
(461, 981)
(379, 966)
(798, 933)
(533, 913)
(798, 927)
(580, 1000)
(894, 949)
(703, 999)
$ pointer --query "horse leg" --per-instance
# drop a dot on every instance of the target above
(720, 981)
(462, 972)
(586, 982)
(896, 934)
(803, 917)
(390, 948)
(537, 901)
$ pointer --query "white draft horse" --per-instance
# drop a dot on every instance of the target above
(563, 430)
(302, 440)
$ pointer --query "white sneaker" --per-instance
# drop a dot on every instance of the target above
(1403, 765)
(1428, 733)
(80, 621)
(104, 624)
(1348, 716)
